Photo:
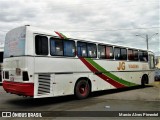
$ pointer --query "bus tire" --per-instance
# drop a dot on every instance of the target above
(82, 89)
(144, 80)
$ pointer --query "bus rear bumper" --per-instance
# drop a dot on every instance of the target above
(24, 89)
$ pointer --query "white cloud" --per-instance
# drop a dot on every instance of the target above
(86, 15)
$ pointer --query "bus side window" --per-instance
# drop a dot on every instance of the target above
(130, 54)
(109, 52)
(56, 46)
(135, 54)
(92, 50)
(140, 55)
(117, 53)
(123, 54)
(41, 45)
(101, 51)
(143, 56)
(69, 48)
(120, 53)
(81, 49)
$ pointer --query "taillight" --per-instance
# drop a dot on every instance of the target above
(25, 76)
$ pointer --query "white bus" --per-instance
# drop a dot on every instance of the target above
(40, 63)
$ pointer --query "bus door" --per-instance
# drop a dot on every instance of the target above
(151, 61)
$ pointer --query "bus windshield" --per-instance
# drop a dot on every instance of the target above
(15, 42)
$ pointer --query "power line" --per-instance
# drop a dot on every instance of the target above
(120, 29)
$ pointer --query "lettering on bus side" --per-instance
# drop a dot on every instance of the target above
(121, 66)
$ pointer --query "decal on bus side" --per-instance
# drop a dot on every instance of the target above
(121, 66)
(106, 75)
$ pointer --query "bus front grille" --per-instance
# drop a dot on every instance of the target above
(44, 84)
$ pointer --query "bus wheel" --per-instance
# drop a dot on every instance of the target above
(144, 80)
(82, 89)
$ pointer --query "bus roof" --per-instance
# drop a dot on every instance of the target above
(41, 31)
(50, 32)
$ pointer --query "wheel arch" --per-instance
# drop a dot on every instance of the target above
(84, 78)
(144, 79)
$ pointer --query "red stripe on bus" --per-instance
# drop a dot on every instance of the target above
(59, 35)
(24, 89)
(104, 77)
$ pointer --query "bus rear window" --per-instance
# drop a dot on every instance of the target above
(41, 45)
(15, 42)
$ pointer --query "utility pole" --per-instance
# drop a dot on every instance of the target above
(147, 38)
(147, 42)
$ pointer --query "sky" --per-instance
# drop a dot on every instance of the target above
(120, 22)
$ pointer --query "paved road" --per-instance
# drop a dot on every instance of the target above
(132, 99)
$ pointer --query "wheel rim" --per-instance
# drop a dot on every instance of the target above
(83, 89)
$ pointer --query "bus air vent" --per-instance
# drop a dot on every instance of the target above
(44, 84)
